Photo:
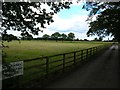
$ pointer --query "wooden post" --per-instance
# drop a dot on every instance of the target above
(86, 54)
(18, 83)
(96, 49)
(91, 52)
(74, 58)
(63, 62)
(81, 55)
(47, 66)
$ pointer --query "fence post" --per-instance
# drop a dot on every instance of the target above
(18, 82)
(86, 54)
(96, 49)
(91, 52)
(47, 66)
(74, 58)
(63, 62)
(81, 55)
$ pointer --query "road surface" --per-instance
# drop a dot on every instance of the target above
(103, 72)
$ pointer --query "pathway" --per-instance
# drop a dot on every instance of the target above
(102, 72)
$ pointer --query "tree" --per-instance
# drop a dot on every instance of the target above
(27, 37)
(85, 40)
(98, 39)
(55, 36)
(63, 36)
(46, 37)
(20, 16)
(71, 36)
(95, 39)
(9, 37)
(77, 39)
(108, 20)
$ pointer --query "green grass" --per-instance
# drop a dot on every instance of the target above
(35, 49)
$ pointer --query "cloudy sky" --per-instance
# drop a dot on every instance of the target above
(69, 20)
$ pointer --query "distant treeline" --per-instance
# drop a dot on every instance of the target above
(55, 36)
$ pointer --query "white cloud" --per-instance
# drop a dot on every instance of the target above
(16, 33)
(77, 24)
(45, 6)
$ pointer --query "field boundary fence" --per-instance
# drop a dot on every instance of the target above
(45, 66)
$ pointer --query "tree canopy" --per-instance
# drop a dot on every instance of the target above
(57, 36)
(63, 36)
(107, 21)
(20, 16)
(9, 37)
(46, 37)
(71, 36)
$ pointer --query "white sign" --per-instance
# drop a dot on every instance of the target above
(12, 69)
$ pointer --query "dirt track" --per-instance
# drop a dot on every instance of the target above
(103, 72)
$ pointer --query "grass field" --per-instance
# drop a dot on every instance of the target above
(34, 49)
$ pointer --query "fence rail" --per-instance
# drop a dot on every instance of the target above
(44, 66)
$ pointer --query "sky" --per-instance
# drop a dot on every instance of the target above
(68, 20)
